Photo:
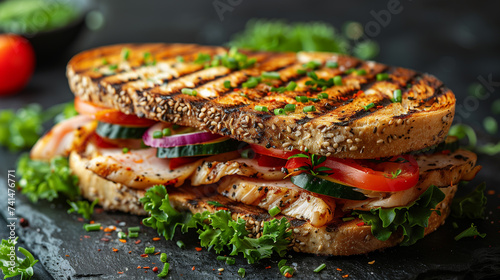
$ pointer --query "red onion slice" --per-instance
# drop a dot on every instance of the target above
(175, 139)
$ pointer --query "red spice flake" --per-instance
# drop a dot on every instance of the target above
(67, 255)
(128, 169)
(156, 239)
(107, 234)
(120, 272)
(236, 89)
(139, 267)
(338, 269)
(157, 253)
(198, 249)
(86, 236)
(193, 268)
(358, 93)
(138, 241)
(144, 255)
(155, 269)
(145, 267)
(380, 107)
(105, 239)
(288, 275)
(220, 273)
(91, 222)
(123, 240)
(139, 161)
(372, 262)
(98, 210)
(130, 252)
(115, 250)
(491, 192)
(268, 267)
(80, 219)
(360, 224)
(345, 276)
(98, 250)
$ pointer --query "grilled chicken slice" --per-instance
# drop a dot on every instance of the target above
(290, 199)
(339, 126)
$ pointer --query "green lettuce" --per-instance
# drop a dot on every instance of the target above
(46, 180)
(470, 232)
(411, 219)
(471, 206)
(17, 266)
(217, 230)
(82, 207)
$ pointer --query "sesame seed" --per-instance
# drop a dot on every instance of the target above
(380, 141)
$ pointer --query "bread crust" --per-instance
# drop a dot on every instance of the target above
(341, 239)
(339, 127)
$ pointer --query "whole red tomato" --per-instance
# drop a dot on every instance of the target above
(17, 62)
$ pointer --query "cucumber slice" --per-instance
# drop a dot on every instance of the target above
(323, 186)
(215, 147)
(115, 131)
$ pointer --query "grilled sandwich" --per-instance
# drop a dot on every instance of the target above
(319, 138)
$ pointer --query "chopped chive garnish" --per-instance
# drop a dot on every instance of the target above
(216, 203)
(180, 58)
(221, 258)
(314, 99)
(247, 153)
(349, 71)
(243, 94)
(309, 109)
(113, 67)
(227, 84)
(291, 85)
(281, 263)
(323, 95)
(189, 91)
(133, 234)
(241, 272)
(397, 96)
(382, 76)
(361, 72)
(261, 108)
(271, 75)
(251, 82)
(125, 150)
(301, 71)
(320, 268)
(104, 61)
(164, 272)
(163, 257)
(332, 64)
(95, 69)
(175, 126)
(290, 108)
(302, 99)
(125, 53)
(202, 58)
(122, 235)
(337, 80)
(274, 211)
(409, 86)
(157, 134)
(230, 261)
(490, 125)
(146, 56)
(134, 229)
(347, 219)
(166, 132)
(149, 250)
(180, 244)
(312, 75)
(312, 65)
(286, 269)
(369, 106)
(279, 112)
(92, 227)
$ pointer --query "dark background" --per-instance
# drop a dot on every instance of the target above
(457, 41)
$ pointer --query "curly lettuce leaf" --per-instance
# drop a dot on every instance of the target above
(471, 206)
(21, 129)
(470, 232)
(217, 230)
(46, 180)
(411, 219)
(82, 207)
(17, 266)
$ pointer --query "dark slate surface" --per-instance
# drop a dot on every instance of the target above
(52, 234)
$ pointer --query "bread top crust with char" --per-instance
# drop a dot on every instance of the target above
(343, 125)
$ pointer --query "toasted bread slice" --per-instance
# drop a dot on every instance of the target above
(357, 120)
(335, 238)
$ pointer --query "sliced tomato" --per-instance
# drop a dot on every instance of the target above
(388, 175)
(109, 115)
(177, 162)
(101, 142)
(273, 152)
(268, 161)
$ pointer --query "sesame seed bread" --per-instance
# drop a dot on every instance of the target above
(357, 120)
